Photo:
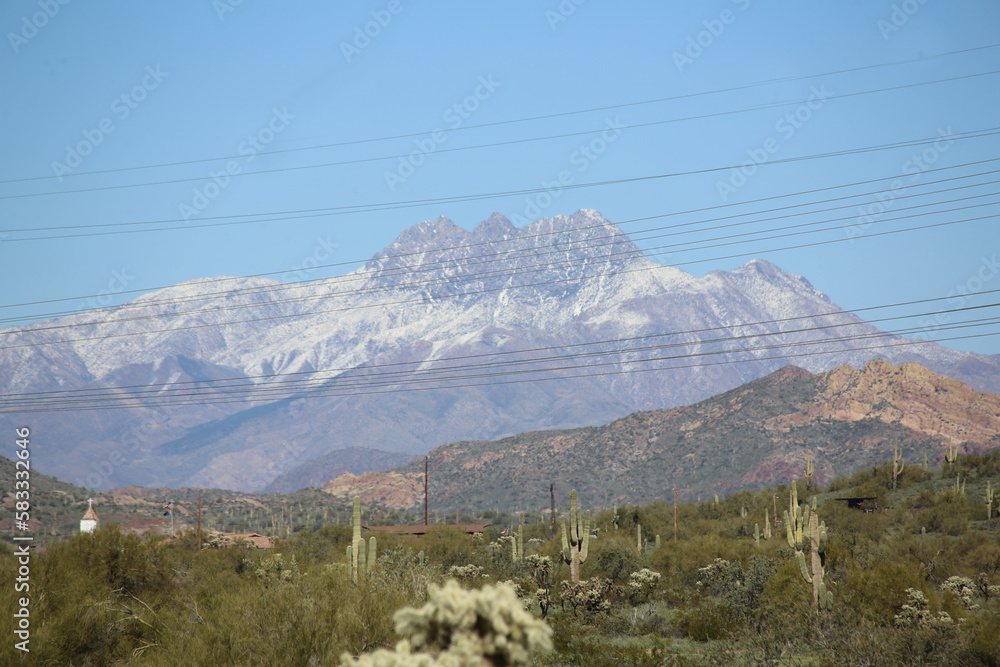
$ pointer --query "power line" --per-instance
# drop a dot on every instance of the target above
(512, 121)
(367, 208)
(382, 374)
(523, 238)
(394, 386)
(536, 268)
(509, 142)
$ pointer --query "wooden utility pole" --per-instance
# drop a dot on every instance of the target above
(552, 500)
(426, 458)
(675, 513)
(199, 519)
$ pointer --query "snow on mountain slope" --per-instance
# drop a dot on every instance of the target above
(438, 291)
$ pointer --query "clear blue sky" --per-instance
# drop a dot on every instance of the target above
(138, 84)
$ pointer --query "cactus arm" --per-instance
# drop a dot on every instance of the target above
(803, 569)
(574, 528)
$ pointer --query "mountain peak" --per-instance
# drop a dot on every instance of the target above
(440, 232)
(494, 228)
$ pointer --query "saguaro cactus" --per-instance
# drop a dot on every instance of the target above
(897, 463)
(810, 469)
(576, 542)
(989, 501)
(795, 518)
(357, 548)
(638, 538)
(822, 598)
(520, 540)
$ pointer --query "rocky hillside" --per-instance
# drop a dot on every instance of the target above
(755, 435)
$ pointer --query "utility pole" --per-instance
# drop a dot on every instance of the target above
(552, 500)
(426, 468)
(675, 513)
(199, 519)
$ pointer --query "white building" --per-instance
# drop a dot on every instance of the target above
(88, 523)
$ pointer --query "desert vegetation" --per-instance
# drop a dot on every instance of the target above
(784, 575)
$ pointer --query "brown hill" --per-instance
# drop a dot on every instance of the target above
(755, 435)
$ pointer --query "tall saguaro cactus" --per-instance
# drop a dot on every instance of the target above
(357, 548)
(897, 463)
(822, 598)
(801, 524)
(989, 501)
(578, 539)
(517, 543)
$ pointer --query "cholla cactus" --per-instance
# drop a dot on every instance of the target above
(915, 613)
(460, 627)
(575, 544)
(466, 572)
(541, 568)
(589, 596)
(642, 586)
(275, 569)
(964, 589)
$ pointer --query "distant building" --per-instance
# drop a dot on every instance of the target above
(88, 523)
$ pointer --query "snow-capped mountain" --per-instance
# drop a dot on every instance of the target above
(509, 309)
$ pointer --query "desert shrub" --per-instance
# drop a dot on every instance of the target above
(704, 621)
(949, 514)
(613, 557)
(878, 591)
(447, 546)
